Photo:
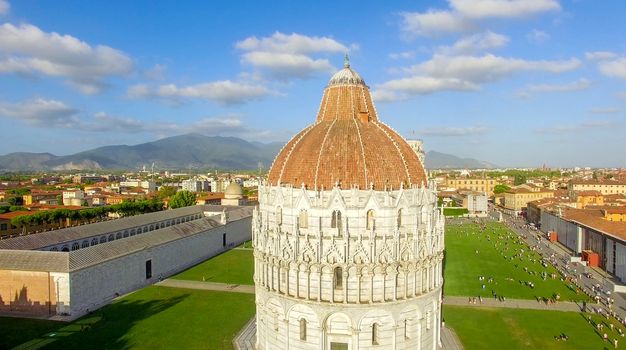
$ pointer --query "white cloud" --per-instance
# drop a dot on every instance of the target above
(463, 15)
(600, 55)
(402, 55)
(4, 7)
(581, 84)
(401, 89)
(578, 127)
(454, 131)
(433, 23)
(463, 73)
(615, 68)
(223, 92)
(487, 68)
(26, 49)
(286, 65)
(293, 43)
(476, 43)
(605, 110)
(479, 9)
(157, 72)
(537, 36)
(40, 113)
(290, 56)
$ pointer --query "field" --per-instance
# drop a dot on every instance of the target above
(235, 266)
(509, 267)
(151, 318)
(511, 329)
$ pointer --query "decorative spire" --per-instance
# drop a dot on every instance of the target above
(346, 61)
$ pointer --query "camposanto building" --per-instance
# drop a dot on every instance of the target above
(348, 240)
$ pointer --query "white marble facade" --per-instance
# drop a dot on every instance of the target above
(348, 268)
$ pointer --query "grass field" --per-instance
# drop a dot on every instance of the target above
(151, 318)
(512, 329)
(235, 266)
(471, 253)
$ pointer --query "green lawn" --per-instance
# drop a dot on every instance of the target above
(151, 318)
(235, 266)
(492, 328)
(463, 265)
(455, 211)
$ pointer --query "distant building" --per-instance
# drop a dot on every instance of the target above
(73, 197)
(475, 202)
(516, 198)
(196, 185)
(475, 184)
(603, 186)
(148, 185)
(233, 195)
(81, 179)
(418, 147)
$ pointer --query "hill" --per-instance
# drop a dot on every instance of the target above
(193, 151)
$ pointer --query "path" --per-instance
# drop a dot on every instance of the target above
(221, 287)
(513, 304)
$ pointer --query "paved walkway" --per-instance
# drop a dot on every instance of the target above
(246, 338)
(514, 304)
(449, 339)
(221, 287)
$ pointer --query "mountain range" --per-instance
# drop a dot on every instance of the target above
(190, 151)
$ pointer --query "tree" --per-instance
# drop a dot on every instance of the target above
(182, 199)
(166, 191)
(519, 179)
(500, 188)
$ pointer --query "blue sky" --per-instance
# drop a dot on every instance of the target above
(513, 82)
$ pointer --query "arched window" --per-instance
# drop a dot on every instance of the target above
(94, 241)
(103, 239)
(399, 219)
(338, 278)
(65, 249)
(375, 334)
(85, 244)
(118, 235)
(335, 221)
(302, 329)
(303, 219)
(371, 217)
(279, 216)
(177, 221)
(145, 229)
(75, 246)
(406, 329)
(54, 249)
(111, 237)
(132, 232)
(151, 227)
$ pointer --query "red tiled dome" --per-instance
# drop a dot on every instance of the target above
(347, 144)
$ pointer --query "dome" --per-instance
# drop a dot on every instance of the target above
(233, 191)
(347, 144)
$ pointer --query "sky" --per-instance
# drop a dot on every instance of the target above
(519, 83)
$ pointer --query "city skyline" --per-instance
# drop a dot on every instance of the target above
(523, 83)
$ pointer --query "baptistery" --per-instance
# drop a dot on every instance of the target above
(348, 240)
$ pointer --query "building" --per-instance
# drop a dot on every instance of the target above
(73, 197)
(603, 186)
(81, 179)
(475, 202)
(592, 230)
(76, 270)
(516, 198)
(196, 185)
(147, 185)
(347, 236)
(233, 195)
(42, 197)
(418, 147)
(474, 184)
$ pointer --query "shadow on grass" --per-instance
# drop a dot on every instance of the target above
(105, 328)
